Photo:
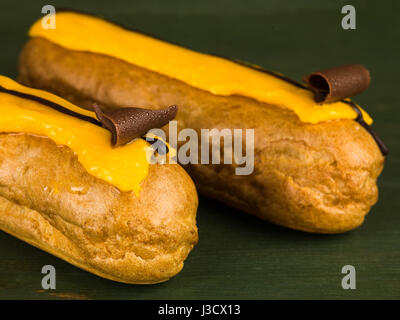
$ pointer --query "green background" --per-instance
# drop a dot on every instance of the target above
(238, 256)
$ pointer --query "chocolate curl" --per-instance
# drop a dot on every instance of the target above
(338, 83)
(126, 124)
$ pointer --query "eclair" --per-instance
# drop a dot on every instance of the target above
(315, 162)
(65, 189)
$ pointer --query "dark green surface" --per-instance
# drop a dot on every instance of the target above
(238, 256)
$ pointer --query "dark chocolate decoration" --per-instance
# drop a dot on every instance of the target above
(161, 150)
(338, 83)
(50, 104)
(260, 69)
(126, 124)
(360, 119)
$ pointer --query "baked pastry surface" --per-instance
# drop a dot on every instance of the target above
(312, 177)
(49, 200)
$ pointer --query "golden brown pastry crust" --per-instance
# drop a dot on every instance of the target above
(49, 200)
(312, 177)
